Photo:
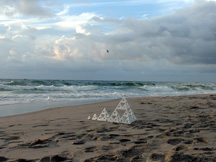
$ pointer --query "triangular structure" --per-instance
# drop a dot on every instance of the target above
(123, 104)
(125, 117)
(94, 117)
(131, 115)
(104, 116)
(128, 117)
(115, 117)
(89, 117)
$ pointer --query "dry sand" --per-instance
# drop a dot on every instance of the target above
(167, 129)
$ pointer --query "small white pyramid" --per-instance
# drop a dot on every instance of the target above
(115, 117)
(89, 117)
(104, 116)
(128, 117)
(94, 117)
(123, 104)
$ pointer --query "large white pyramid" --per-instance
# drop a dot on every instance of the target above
(128, 116)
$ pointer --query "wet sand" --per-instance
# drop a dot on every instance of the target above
(168, 129)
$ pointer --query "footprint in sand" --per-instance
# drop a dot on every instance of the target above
(205, 149)
(131, 152)
(140, 141)
(55, 158)
(103, 158)
(174, 141)
(112, 136)
(90, 149)
(124, 140)
(40, 143)
(180, 148)
(156, 157)
(78, 142)
(106, 148)
(40, 125)
(11, 138)
(188, 142)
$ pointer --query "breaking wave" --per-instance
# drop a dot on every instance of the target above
(14, 91)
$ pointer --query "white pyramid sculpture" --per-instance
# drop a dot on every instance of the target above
(123, 105)
(115, 117)
(127, 118)
(94, 117)
(104, 116)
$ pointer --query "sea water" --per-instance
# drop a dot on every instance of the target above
(52, 93)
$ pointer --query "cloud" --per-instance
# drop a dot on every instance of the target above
(65, 11)
(35, 8)
(187, 36)
(182, 38)
(71, 22)
(174, 43)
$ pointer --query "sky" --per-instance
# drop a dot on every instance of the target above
(160, 40)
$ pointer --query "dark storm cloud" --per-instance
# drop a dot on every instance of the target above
(187, 36)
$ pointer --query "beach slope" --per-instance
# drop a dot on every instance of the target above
(169, 129)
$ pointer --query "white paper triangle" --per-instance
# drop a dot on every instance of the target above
(94, 117)
(128, 116)
(115, 117)
(131, 115)
(123, 105)
(104, 116)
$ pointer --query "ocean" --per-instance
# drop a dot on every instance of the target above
(52, 93)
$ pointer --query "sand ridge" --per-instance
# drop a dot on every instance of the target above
(169, 129)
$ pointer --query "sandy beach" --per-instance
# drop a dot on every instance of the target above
(168, 129)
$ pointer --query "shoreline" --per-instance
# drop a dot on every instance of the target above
(167, 129)
(26, 108)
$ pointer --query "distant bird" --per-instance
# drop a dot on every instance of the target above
(107, 51)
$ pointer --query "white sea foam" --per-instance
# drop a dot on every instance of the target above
(33, 91)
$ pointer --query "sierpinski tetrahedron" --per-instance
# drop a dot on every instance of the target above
(104, 116)
(128, 116)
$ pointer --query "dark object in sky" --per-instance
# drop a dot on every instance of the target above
(107, 51)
